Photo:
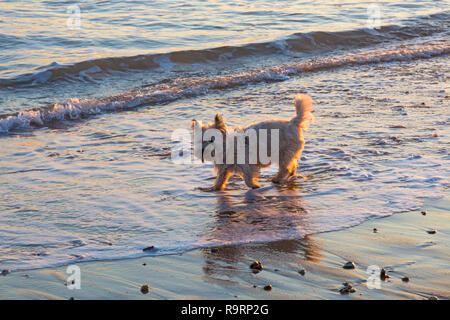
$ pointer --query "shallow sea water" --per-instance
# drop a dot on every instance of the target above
(92, 178)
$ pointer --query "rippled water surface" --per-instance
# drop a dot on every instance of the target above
(86, 117)
(39, 33)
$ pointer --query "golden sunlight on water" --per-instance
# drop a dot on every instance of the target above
(87, 114)
(45, 32)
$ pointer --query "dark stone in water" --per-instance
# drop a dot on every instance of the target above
(148, 248)
(302, 272)
(383, 275)
(431, 231)
(268, 287)
(349, 265)
(145, 289)
(405, 279)
(53, 154)
(375, 230)
(424, 213)
(227, 212)
(214, 250)
(5, 272)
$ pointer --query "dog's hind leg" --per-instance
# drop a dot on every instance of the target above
(293, 169)
(284, 171)
(281, 176)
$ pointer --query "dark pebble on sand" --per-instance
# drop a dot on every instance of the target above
(431, 231)
(349, 265)
(375, 230)
(383, 275)
(256, 266)
(348, 288)
(145, 289)
(268, 287)
(144, 264)
(405, 279)
(424, 213)
(5, 272)
(302, 272)
(148, 248)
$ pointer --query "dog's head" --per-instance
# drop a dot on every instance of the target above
(203, 135)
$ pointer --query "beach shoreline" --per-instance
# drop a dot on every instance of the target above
(309, 268)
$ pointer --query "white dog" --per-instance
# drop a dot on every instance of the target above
(290, 146)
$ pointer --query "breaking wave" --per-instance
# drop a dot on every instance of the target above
(293, 44)
(178, 88)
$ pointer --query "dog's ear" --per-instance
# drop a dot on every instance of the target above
(219, 123)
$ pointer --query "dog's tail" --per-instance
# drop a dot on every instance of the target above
(303, 105)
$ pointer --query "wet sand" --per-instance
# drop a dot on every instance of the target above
(401, 245)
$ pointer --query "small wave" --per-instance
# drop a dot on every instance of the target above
(293, 44)
(174, 89)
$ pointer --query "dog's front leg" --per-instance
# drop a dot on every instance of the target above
(251, 177)
(221, 180)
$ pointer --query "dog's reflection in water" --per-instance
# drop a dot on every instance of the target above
(260, 216)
